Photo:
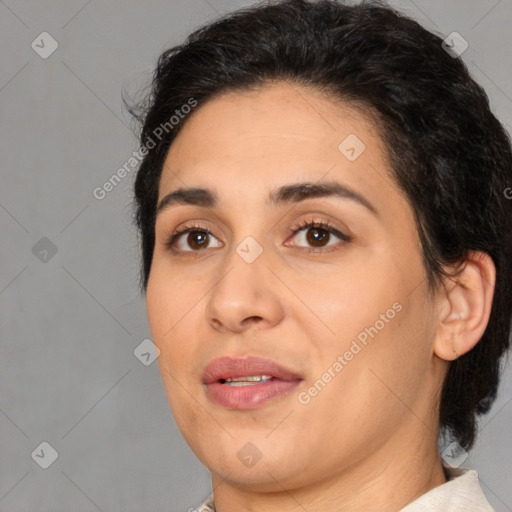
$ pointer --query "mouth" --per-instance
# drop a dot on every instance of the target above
(248, 382)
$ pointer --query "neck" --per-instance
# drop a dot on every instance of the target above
(405, 468)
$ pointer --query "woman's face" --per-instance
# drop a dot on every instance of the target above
(338, 309)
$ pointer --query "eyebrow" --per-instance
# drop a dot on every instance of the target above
(286, 194)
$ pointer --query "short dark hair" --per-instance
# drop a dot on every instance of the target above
(448, 152)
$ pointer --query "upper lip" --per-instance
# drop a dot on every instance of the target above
(229, 367)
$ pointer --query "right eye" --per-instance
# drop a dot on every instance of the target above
(198, 239)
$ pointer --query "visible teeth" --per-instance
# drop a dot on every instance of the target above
(244, 381)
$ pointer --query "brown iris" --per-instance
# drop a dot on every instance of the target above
(317, 236)
(194, 236)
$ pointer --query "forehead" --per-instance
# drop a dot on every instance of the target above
(289, 116)
(249, 140)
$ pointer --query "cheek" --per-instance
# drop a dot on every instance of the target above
(172, 310)
(375, 319)
(169, 313)
(171, 296)
(344, 303)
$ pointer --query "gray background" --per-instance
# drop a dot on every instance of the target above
(70, 321)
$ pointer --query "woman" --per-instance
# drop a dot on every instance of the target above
(327, 257)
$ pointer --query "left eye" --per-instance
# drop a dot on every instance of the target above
(316, 234)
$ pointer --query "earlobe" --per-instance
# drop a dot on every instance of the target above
(466, 300)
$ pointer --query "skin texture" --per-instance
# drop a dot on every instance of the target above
(368, 439)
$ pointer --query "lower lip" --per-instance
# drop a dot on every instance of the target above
(251, 396)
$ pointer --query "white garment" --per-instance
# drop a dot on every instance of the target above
(461, 493)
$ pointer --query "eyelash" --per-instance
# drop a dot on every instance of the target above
(171, 242)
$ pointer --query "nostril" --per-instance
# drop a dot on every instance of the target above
(252, 319)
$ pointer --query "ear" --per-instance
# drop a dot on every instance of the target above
(465, 306)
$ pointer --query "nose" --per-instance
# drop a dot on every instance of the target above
(244, 295)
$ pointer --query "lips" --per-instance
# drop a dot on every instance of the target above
(265, 380)
(231, 368)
